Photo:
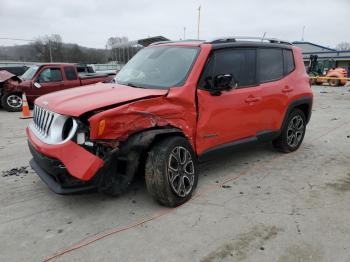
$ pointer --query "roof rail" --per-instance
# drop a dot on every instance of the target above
(175, 41)
(249, 38)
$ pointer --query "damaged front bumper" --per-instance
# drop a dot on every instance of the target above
(66, 168)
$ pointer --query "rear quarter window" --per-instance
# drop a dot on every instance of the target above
(288, 61)
(270, 64)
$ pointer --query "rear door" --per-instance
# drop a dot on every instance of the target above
(71, 77)
(233, 114)
(274, 72)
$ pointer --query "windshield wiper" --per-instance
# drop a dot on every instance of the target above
(132, 85)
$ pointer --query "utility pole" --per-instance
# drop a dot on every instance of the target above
(50, 50)
(184, 32)
(302, 34)
(199, 21)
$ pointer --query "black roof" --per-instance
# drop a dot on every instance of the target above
(225, 42)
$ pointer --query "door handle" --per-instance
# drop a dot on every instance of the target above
(252, 99)
(287, 89)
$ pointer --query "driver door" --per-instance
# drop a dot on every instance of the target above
(50, 80)
(233, 114)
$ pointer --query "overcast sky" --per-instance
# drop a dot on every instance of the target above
(90, 22)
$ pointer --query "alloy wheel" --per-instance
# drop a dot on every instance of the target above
(295, 131)
(14, 101)
(181, 171)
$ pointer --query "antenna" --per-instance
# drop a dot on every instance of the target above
(199, 20)
(302, 34)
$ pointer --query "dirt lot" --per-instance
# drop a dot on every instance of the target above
(272, 206)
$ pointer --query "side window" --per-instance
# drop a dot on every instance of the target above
(241, 63)
(270, 64)
(70, 73)
(288, 61)
(50, 75)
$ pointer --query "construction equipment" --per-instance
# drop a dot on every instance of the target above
(325, 71)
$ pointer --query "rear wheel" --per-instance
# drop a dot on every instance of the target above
(293, 132)
(171, 171)
(12, 102)
(333, 82)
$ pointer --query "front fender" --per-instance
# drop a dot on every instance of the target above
(160, 112)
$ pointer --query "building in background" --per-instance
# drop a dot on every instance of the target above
(341, 58)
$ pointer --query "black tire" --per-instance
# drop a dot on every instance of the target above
(285, 142)
(333, 82)
(161, 168)
(12, 107)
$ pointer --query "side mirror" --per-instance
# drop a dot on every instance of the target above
(223, 82)
(37, 85)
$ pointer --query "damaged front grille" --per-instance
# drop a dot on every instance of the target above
(42, 120)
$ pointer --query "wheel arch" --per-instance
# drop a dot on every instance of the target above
(304, 104)
(131, 154)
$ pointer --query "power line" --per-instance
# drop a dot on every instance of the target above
(17, 39)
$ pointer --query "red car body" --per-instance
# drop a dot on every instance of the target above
(115, 113)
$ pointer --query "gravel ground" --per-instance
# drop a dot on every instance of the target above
(273, 206)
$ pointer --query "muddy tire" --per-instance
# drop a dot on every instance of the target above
(171, 171)
(333, 82)
(293, 132)
(12, 102)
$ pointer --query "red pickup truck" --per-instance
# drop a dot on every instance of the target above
(42, 79)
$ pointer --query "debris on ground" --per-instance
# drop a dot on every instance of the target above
(334, 119)
(226, 186)
(15, 171)
(324, 92)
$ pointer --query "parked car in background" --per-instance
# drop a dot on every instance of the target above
(85, 69)
(16, 70)
(42, 79)
(173, 103)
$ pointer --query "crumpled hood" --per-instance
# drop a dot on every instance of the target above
(77, 101)
(5, 75)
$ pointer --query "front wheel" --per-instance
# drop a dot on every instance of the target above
(12, 102)
(293, 132)
(171, 171)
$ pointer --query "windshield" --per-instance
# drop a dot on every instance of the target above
(28, 75)
(158, 67)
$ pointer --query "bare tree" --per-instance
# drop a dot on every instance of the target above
(48, 48)
(117, 52)
(343, 46)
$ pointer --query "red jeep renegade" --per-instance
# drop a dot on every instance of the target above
(173, 104)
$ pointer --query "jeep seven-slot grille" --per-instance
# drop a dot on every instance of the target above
(42, 119)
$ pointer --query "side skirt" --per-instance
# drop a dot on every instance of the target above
(262, 136)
